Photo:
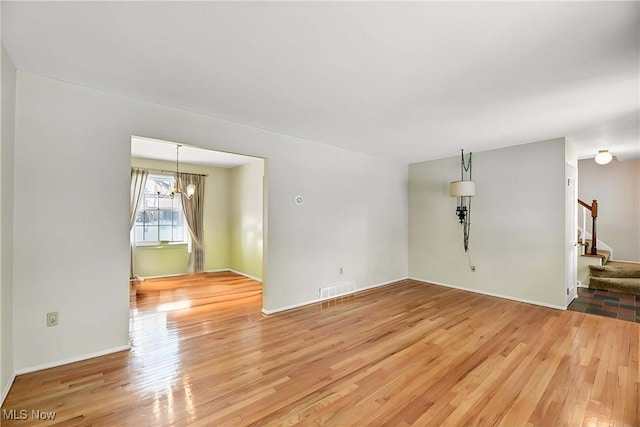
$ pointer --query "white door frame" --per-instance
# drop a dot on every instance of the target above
(571, 232)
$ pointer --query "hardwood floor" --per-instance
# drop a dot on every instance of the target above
(405, 354)
(197, 289)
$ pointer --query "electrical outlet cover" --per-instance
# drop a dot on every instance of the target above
(52, 319)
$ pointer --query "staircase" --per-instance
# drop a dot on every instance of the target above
(616, 276)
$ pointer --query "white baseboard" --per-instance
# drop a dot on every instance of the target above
(244, 274)
(7, 387)
(289, 307)
(628, 262)
(314, 301)
(215, 270)
(72, 360)
(143, 278)
(491, 294)
(390, 282)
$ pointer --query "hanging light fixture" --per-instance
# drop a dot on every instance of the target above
(464, 190)
(603, 157)
(175, 189)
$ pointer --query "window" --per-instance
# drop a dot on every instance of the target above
(160, 217)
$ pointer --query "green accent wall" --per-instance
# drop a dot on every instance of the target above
(246, 208)
(233, 222)
(162, 260)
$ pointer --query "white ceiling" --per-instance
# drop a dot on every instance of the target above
(410, 81)
(148, 148)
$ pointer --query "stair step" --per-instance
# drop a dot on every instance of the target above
(603, 253)
(627, 285)
(615, 271)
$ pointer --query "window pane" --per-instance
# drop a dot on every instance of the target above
(166, 203)
(160, 216)
(151, 217)
(165, 232)
(150, 201)
(165, 217)
(150, 186)
(139, 218)
(178, 234)
(151, 234)
(139, 233)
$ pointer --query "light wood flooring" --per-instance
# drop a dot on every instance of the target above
(204, 289)
(404, 354)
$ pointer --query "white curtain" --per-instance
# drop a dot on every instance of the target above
(193, 209)
(138, 182)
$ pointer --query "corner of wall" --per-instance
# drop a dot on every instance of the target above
(570, 153)
(6, 387)
(246, 218)
(9, 79)
(507, 240)
(354, 216)
(616, 186)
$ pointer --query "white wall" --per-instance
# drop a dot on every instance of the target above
(616, 186)
(245, 219)
(73, 159)
(517, 236)
(6, 221)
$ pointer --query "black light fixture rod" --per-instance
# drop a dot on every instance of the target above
(465, 167)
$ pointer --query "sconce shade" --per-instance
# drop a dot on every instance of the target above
(462, 189)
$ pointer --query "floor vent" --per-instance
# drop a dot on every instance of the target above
(337, 290)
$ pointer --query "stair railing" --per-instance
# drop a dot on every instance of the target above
(593, 208)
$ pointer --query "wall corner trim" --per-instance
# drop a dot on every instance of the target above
(7, 387)
(267, 312)
(72, 360)
(491, 294)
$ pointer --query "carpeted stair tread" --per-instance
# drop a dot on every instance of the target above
(605, 254)
(628, 285)
(614, 271)
(602, 253)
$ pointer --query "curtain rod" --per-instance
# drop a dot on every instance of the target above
(166, 171)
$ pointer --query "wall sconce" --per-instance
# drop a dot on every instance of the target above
(603, 157)
(464, 190)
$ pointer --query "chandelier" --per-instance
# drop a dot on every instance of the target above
(176, 188)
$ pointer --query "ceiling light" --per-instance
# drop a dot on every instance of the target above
(603, 157)
(191, 188)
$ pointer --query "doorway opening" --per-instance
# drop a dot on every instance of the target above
(197, 226)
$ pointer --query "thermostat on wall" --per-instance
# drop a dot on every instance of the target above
(299, 200)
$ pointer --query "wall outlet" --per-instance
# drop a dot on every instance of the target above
(473, 268)
(52, 318)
